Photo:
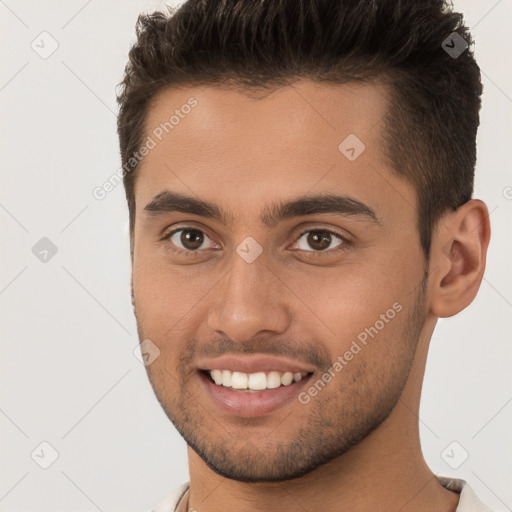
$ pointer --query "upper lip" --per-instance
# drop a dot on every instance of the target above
(253, 364)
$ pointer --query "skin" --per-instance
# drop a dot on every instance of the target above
(355, 446)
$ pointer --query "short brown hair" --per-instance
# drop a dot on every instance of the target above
(431, 125)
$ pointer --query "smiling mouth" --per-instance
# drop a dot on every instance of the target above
(253, 382)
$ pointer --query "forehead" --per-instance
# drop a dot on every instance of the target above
(219, 143)
(305, 112)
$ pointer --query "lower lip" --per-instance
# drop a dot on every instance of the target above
(251, 404)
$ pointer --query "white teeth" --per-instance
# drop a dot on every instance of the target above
(226, 378)
(216, 376)
(254, 381)
(257, 381)
(273, 380)
(287, 378)
(239, 380)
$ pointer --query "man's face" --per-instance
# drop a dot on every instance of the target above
(334, 296)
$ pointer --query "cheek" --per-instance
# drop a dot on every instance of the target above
(161, 307)
(348, 301)
(163, 295)
(367, 311)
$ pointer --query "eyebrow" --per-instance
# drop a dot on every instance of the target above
(169, 202)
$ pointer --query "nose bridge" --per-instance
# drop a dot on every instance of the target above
(249, 299)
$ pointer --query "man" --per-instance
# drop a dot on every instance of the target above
(299, 177)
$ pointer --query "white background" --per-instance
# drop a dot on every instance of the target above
(68, 373)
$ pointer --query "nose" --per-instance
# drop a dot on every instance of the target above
(249, 300)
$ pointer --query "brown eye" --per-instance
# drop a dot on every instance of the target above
(188, 240)
(192, 239)
(319, 240)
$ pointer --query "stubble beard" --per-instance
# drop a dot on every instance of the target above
(330, 430)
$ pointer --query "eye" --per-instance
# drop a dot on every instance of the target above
(190, 240)
(320, 240)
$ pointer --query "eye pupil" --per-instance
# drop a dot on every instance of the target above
(319, 240)
(193, 236)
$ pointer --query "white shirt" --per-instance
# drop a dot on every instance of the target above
(468, 501)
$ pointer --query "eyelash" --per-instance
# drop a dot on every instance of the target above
(344, 246)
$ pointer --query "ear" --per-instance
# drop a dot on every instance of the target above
(458, 255)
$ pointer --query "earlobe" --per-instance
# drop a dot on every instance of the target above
(458, 258)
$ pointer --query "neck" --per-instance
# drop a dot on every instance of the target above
(385, 471)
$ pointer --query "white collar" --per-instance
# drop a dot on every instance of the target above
(468, 501)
